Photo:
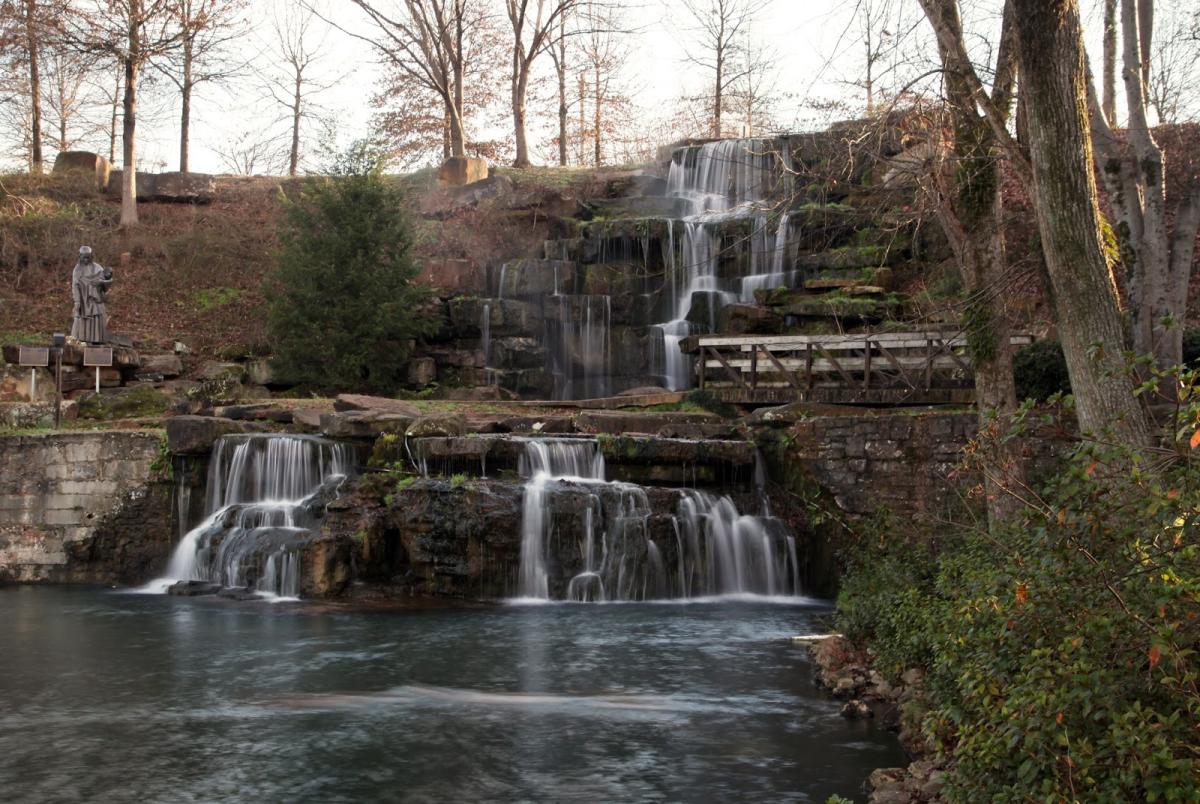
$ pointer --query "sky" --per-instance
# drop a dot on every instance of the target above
(817, 44)
(805, 34)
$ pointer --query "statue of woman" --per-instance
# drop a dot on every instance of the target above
(90, 281)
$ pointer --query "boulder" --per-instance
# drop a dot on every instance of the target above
(168, 365)
(308, 419)
(363, 423)
(84, 162)
(378, 404)
(195, 435)
(145, 184)
(124, 403)
(458, 171)
(20, 415)
(703, 311)
(184, 188)
(438, 424)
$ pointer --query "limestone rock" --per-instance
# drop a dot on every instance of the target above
(168, 365)
(123, 403)
(84, 162)
(184, 188)
(194, 435)
(378, 404)
(363, 423)
(438, 424)
(458, 171)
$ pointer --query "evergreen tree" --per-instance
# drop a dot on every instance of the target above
(344, 309)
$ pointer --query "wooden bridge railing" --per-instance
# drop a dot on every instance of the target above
(891, 367)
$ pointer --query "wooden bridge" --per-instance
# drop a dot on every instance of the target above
(892, 368)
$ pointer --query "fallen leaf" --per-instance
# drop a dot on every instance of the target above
(1022, 593)
(1155, 654)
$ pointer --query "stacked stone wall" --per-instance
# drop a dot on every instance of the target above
(83, 507)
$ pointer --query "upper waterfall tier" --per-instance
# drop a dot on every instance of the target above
(721, 176)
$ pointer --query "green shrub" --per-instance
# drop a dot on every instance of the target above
(343, 306)
(1040, 370)
(1060, 648)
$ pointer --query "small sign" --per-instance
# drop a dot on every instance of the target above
(98, 356)
(34, 356)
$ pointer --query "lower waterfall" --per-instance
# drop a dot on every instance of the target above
(625, 551)
(266, 494)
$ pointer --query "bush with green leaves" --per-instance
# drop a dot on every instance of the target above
(1059, 648)
(344, 308)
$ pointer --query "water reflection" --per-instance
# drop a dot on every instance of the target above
(121, 697)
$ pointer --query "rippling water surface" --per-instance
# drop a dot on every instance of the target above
(109, 696)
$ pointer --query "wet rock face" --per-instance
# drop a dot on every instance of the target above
(431, 538)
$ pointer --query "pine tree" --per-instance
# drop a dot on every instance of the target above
(344, 309)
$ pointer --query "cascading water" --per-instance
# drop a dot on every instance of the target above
(710, 547)
(580, 354)
(717, 182)
(544, 463)
(265, 494)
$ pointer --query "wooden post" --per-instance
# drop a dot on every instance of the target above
(928, 363)
(867, 366)
(808, 365)
(703, 360)
(754, 368)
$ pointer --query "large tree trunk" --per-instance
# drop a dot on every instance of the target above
(35, 86)
(597, 118)
(1110, 61)
(1089, 321)
(716, 122)
(185, 117)
(129, 211)
(112, 123)
(519, 86)
(297, 109)
(971, 215)
(561, 67)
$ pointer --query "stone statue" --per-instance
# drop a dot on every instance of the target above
(90, 282)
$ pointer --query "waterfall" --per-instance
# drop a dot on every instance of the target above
(266, 493)
(580, 353)
(718, 182)
(490, 375)
(769, 260)
(544, 463)
(716, 549)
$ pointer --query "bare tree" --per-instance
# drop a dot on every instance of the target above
(534, 23)
(558, 55)
(295, 48)
(251, 153)
(1057, 168)
(25, 26)
(717, 33)
(1110, 61)
(754, 96)
(969, 207)
(206, 29)
(428, 41)
(1157, 261)
(67, 88)
(1174, 71)
(131, 32)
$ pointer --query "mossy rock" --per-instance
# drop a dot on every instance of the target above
(124, 403)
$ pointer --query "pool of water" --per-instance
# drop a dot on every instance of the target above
(112, 696)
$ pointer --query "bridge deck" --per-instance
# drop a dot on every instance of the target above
(887, 368)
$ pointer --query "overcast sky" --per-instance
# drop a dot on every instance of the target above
(817, 43)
